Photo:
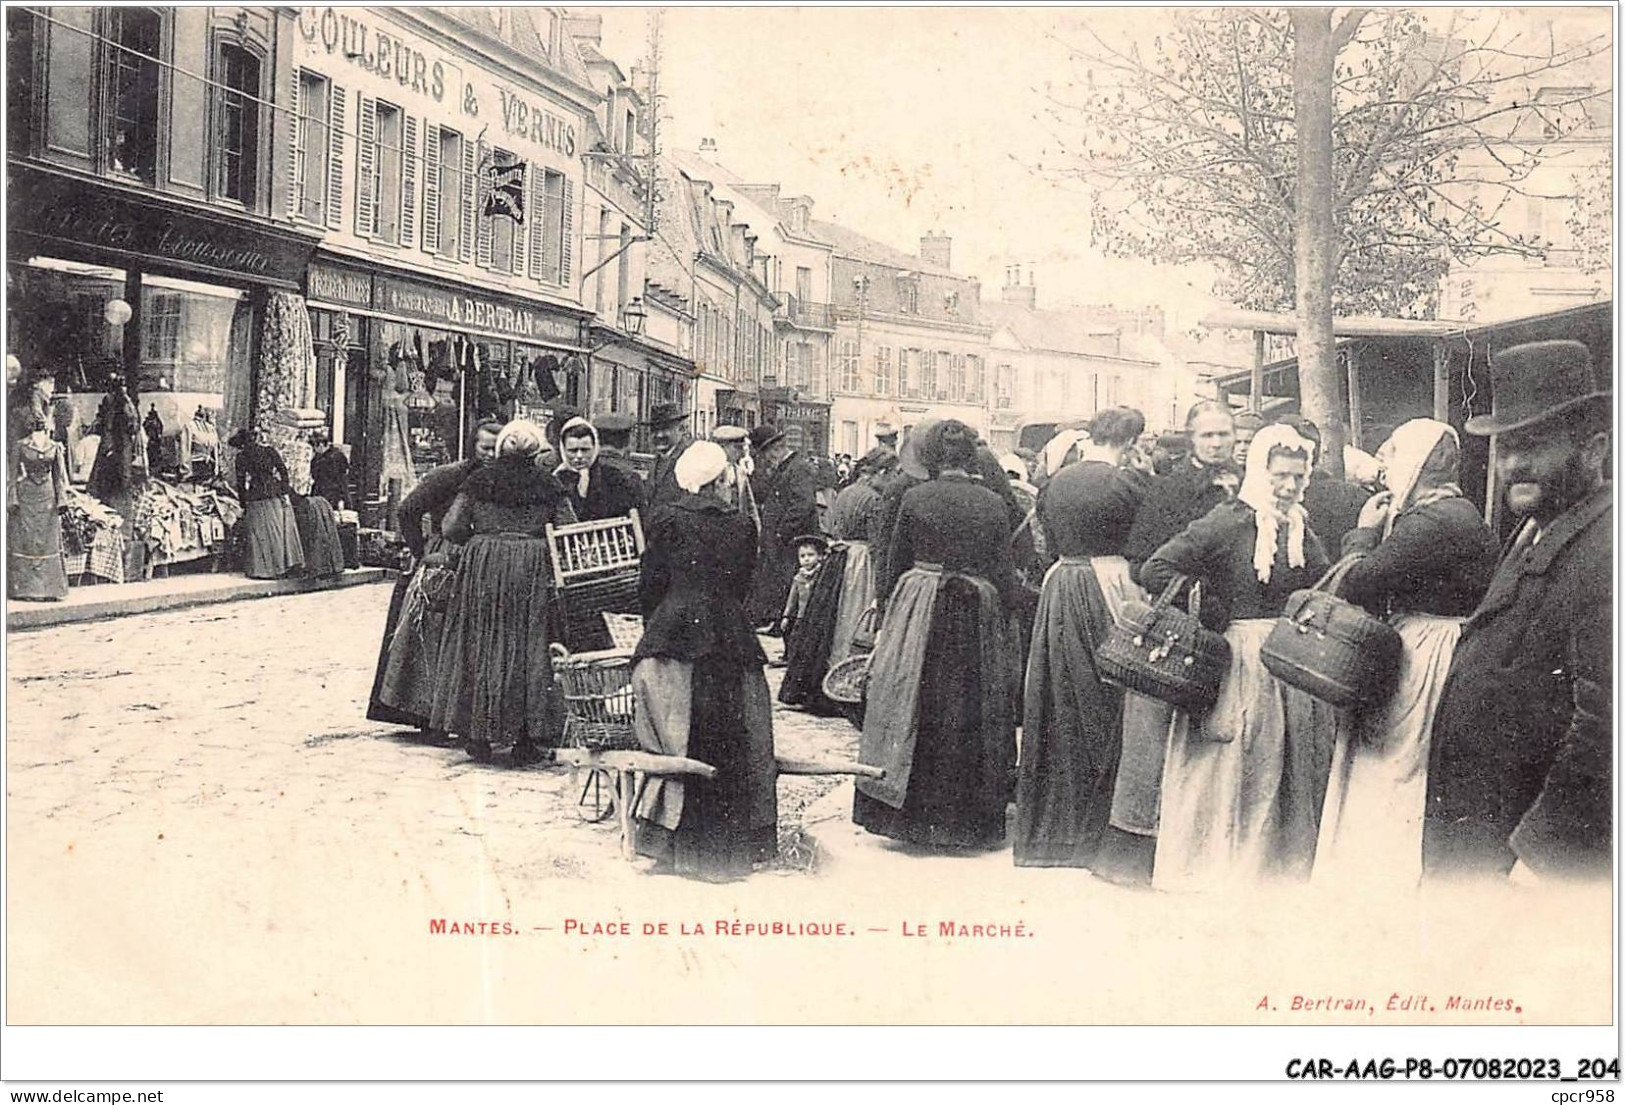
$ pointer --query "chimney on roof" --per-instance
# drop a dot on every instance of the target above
(1017, 292)
(937, 249)
(585, 28)
(708, 145)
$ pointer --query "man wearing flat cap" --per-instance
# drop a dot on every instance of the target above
(668, 427)
(786, 490)
(1520, 778)
(736, 481)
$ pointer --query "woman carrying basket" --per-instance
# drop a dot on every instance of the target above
(1072, 728)
(941, 715)
(1242, 785)
(697, 676)
(494, 679)
(1428, 561)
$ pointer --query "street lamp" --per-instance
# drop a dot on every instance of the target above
(633, 316)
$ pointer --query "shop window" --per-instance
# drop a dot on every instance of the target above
(133, 41)
(20, 41)
(161, 325)
(311, 150)
(237, 166)
(186, 335)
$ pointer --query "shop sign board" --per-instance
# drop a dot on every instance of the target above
(99, 218)
(331, 284)
(457, 310)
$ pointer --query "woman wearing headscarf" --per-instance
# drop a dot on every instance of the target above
(1242, 785)
(596, 490)
(272, 531)
(403, 682)
(845, 588)
(1071, 733)
(494, 676)
(941, 699)
(1428, 559)
(909, 473)
(697, 675)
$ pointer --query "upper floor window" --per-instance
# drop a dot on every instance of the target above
(237, 167)
(908, 295)
(956, 377)
(132, 91)
(907, 366)
(928, 374)
(1006, 378)
(456, 188)
(978, 378)
(386, 172)
(311, 152)
(549, 229)
(849, 367)
(629, 138)
(883, 370)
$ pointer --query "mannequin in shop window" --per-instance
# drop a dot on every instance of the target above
(397, 476)
(199, 447)
(36, 492)
(120, 468)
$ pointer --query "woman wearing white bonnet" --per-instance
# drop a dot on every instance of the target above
(698, 678)
(1242, 785)
(1427, 560)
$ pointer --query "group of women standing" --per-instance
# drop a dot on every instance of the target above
(1268, 783)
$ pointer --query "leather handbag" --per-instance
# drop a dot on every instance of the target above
(1332, 649)
(1159, 650)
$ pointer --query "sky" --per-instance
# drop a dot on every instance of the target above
(897, 122)
(902, 121)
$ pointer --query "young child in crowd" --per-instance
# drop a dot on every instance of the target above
(810, 553)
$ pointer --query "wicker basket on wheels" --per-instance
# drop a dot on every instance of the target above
(598, 704)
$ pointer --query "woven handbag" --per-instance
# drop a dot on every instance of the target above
(1160, 651)
(1332, 649)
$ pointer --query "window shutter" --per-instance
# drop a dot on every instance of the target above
(335, 157)
(522, 231)
(409, 181)
(295, 193)
(566, 236)
(431, 188)
(465, 241)
(366, 155)
(482, 244)
(538, 215)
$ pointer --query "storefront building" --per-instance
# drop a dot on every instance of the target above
(148, 249)
(441, 153)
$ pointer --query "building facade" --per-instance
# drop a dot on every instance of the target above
(150, 184)
(909, 341)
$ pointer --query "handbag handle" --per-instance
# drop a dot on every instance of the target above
(1168, 593)
(1333, 579)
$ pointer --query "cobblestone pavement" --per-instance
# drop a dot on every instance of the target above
(202, 828)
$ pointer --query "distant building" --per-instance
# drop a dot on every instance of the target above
(910, 342)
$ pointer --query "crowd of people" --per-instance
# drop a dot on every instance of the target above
(982, 588)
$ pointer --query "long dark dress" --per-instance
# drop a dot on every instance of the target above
(494, 675)
(787, 498)
(272, 531)
(403, 680)
(942, 688)
(37, 489)
(701, 692)
(318, 535)
(1071, 735)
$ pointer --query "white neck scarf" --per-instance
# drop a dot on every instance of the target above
(1256, 493)
(564, 471)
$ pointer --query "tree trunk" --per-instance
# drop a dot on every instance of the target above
(1315, 244)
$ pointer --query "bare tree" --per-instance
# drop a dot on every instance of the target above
(1188, 145)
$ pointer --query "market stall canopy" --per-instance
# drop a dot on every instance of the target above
(1349, 326)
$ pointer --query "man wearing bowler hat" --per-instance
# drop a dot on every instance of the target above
(786, 490)
(1520, 778)
(668, 427)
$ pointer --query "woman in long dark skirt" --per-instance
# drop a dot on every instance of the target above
(701, 692)
(494, 677)
(1072, 728)
(273, 548)
(844, 591)
(403, 681)
(941, 714)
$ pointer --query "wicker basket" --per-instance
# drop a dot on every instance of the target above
(598, 704)
(845, 683)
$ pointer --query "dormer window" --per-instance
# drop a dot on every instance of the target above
(950, 303)
(908, 293)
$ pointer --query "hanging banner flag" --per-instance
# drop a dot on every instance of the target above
(505, 191)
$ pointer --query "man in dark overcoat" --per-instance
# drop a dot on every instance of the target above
(1520, 778)
(1194, 487)
(668, 427)
(786, 490)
